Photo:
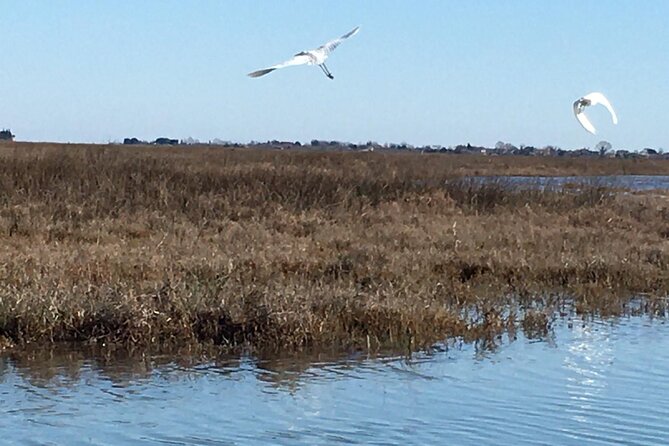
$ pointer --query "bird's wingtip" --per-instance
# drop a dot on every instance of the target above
(352, 32)
(260, 72)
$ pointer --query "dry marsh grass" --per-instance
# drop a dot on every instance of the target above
(268, 250)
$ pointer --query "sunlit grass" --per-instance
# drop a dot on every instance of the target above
(293, 249)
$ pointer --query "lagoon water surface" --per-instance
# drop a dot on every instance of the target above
(630, 182)
(599, 382)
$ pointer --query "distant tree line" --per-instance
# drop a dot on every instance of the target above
(157, 141)
(501, 148)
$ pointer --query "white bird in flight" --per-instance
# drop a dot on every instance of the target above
(310, 57)
(592, 99)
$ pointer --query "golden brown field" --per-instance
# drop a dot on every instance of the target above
(294, 250)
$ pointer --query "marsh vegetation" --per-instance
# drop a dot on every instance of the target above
(267, 250)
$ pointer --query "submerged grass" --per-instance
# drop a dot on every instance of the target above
(269, 250)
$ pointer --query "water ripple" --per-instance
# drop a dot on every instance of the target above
(595, 383)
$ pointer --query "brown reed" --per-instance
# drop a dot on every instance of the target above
(269, 250)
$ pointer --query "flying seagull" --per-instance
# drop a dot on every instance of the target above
(592, 99)
(310, 57)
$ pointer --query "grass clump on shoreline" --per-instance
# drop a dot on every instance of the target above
(273, 250)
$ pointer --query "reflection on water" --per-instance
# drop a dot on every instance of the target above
(601, 382)
(590, 355)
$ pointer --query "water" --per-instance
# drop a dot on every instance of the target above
(600, 383)
(631, 182)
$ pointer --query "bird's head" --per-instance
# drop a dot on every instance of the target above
(582, 103)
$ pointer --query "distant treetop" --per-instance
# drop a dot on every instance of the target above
(6, 135)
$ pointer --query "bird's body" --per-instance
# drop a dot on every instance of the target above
(316, 56)
(588, 100)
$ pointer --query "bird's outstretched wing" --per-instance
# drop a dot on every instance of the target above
(298, 59)
(598, 98)
(582, 118)
(332, 44)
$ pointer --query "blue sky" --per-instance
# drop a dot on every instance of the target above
(428, 72)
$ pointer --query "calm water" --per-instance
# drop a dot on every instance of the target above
(631, 182)
(602, 383)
